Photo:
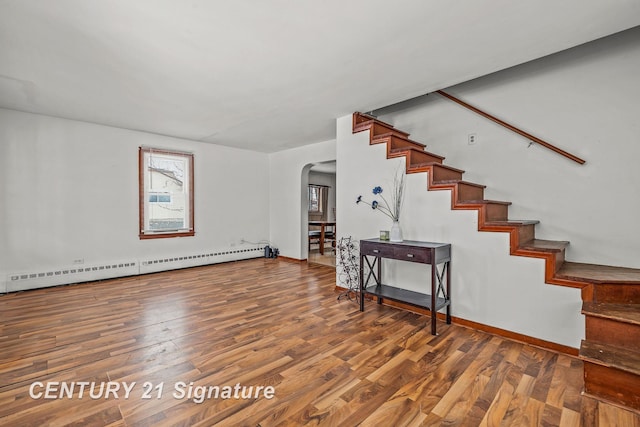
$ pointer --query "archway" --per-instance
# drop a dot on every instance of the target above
(319, 205)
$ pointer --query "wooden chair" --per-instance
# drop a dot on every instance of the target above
(314, 237)
(329, 236)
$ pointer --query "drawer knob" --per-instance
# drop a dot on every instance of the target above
(410, 255)
(376, 251)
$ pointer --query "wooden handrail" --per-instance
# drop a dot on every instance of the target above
(513, 128)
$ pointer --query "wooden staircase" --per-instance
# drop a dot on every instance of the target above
(611, 295)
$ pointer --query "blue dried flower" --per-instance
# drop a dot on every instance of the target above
(391, 206)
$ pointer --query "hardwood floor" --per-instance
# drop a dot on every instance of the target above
(261, 323)
(328, 258)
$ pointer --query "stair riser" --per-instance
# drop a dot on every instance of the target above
(422, 157)
(495, 212)
(380, 129)
(469, 192)
(526, 233)
(376, 128)
(618, 293)
(358, 118)
(443, 174)
(611, 384)
(395, 143)
(560, 257)
(612, 332)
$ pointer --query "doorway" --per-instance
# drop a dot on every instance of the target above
(321, 208)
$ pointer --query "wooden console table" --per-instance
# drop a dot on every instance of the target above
(372, 251)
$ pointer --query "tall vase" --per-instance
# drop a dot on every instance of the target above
(396, 232)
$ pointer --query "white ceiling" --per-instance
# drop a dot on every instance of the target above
(269, 75)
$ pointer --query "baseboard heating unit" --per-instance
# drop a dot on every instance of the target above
(107, 270)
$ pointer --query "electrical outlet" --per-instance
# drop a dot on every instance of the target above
(472, 138)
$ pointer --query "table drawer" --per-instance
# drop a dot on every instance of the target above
(376, 250)
(412, 254)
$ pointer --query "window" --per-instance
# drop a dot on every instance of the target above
(314, 198)
(318, 197)
(166, 193)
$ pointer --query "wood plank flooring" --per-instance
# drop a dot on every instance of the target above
(261, 323)
(329, 257)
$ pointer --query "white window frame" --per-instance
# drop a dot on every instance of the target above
(146, 232)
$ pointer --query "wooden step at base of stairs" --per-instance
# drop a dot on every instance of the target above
(594, 273)
(613, 324)
(601, 283)
(626, 313)
(611, 373)
(628, 293)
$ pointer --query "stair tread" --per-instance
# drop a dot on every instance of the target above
(418, 165)
(389, 134)
(544, 245)
(375, 119)
(594, 273)
(383, 124)
(511, 222)
(484, 202)
(396, 150)
(368, 124)
(460, 181)
(611, 356)
(627, 313)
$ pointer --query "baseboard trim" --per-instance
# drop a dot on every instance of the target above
(526, 339)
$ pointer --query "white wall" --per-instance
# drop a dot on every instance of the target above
(585, 101)
(288, 195)
(69, 191)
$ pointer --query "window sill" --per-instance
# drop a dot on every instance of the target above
(145, 236)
